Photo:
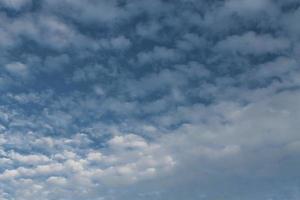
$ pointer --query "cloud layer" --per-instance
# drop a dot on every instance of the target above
(183, 99)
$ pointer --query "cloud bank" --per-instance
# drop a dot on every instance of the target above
(183, 99)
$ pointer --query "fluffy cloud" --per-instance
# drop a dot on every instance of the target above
(119, 166)
(118, 43)
(17, 68)
(149, 99)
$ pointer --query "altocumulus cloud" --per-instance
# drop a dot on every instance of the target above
(139, 99)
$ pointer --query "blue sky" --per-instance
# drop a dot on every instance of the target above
(149, 99)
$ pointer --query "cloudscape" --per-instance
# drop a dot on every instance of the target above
(149, 99)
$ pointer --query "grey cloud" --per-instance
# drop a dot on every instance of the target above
(191, 41)
(247, 7)
(118, 43)
(253, 44)
(110, 12)
(94, 11)
(158, 54)
(16, 4)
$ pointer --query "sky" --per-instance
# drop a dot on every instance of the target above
(149, 100)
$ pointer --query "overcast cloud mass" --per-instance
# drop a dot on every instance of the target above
(149, 99)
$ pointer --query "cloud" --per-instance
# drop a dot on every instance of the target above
(247, 7)
(158, 99)
(101, 11)
(17, 69)
(120, 42)
(117, 43)
(29, 159)
(129, 141)
(191, 41)
(16, 4)
(130, 160)
(58, 181)
(252, 44)
(148, 30)
(158, 54)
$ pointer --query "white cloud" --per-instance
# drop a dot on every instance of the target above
(58, 181)
(128, 141)
(29, 159)
(149, 99)
(17, 68)
(94, 156)
(128, 159)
